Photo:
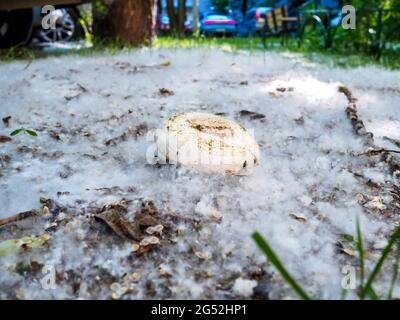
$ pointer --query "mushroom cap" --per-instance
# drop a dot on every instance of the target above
(208, 143)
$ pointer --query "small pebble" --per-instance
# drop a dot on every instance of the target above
(149, 240)
(202, 255)
(181, 230)
(118, 290)
(156, 229)
(135, 276)
(163, 270)
(360, 198)
(154, 240)
(45, 210)
(135, 247)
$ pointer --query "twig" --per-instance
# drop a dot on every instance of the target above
(368, 137)
(373, 152)
(189, 219)
(394, 141)
(28, 64)
(18, 217)
(352, 114)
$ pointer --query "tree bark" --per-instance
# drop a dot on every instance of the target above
(182, 16)
(130, 21)
(173, 18)
(177, 17)
(244, 7)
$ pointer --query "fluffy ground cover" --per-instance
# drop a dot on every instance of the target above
(86, 176)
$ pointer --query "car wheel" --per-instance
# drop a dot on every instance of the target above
(15, 27)
(67, 27)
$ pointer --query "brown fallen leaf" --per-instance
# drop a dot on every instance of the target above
(116, 217)
(4, 139)
(113, 216)
(282, 89)
(251, 114)
(55, 135)
(165, 92)
(6, 121)
(298, 217)
(136, 132)
(360, 198)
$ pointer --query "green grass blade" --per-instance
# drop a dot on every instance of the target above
(272, 257)
(371, 293)
(393, 239)
(343, 294)
(31, 132)
(15, 132)
(395, 272)
(360, 248)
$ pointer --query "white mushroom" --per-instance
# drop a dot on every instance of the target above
(207, 143)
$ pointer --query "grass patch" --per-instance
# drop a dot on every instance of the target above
(334, 57)
(365, 290)
(84, 48)
(273, 258)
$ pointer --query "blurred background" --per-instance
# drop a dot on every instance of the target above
(308, 26)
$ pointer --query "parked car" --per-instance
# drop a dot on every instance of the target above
(218, 24)
(20, 21)
(253, 22)
(165, 28)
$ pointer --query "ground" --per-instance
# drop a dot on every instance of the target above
(94, 117)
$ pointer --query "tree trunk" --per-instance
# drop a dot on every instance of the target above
(182, 16)
(130, 21)
(244, 7)
(173, 18)
(177, 17)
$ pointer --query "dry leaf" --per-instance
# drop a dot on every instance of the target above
(165, 92)
(114, 218)
(134, 226)
(4, 139)
(251, 115)
(349, 252)
(6, 121)
(376, 203)
(298, 217)
(361, 199)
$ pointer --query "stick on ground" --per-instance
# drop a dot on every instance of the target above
(18, 217)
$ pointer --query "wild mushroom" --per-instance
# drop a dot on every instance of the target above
(208, 143)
